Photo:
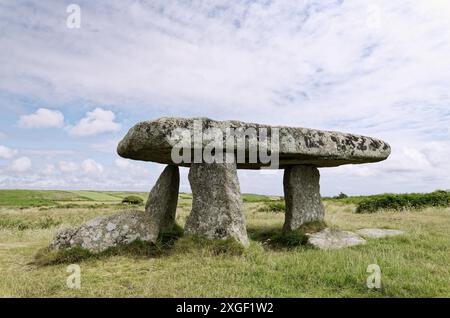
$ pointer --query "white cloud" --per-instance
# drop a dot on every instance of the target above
(105, 146)
(22, 164)
(67, 166)
(96, 122)
(42, 118)
(122, 163)
(49, 169)
(91, 167)
(133, 168)
(7, 153)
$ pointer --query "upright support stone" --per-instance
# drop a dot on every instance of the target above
(217, 210)
(302, 196)
(162, 202)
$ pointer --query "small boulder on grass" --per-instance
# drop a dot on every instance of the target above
(132, 199)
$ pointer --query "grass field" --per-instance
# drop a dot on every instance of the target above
(416, 264)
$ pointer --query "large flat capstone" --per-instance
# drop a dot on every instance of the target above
(154, 141)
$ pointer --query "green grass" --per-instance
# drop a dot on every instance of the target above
(22, 225)
(275, 265)
(247, 197)
(24, 198)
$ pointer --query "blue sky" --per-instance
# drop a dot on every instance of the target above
(67, 96)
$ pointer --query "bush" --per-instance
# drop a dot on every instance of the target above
(341, 196)
(404, 201)
(132, 199)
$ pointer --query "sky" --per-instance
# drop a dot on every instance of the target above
(376, 68)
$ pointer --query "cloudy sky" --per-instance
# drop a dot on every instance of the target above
(68, 95)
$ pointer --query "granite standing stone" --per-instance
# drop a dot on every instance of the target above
(217, 211)
(302, 196)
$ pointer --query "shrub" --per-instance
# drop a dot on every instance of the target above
(341, 196)
(404, 201)
(132, 199)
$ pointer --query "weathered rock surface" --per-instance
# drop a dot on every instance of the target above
(162, 202)
(154, 140)
(103, 232)
(217, 211)
(302, 196)
(378, 233)
(330, 239)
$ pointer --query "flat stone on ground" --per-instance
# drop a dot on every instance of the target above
(330, 239)
(378, 233)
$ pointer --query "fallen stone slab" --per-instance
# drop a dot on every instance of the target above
(104, 232)
(217, 209)
(378, 233)
(154, 141)
(331, 239)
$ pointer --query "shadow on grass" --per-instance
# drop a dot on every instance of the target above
(274, 238)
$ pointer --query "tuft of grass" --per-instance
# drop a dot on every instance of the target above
(275, 238)
(217, 247)
(22, 224)
(46, 256)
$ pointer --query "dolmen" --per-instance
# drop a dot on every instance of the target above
(213, 151)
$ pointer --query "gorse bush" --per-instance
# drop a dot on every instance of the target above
(403, 201)
(341, 196)
(132, 199)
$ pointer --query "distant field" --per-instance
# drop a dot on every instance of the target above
(413, 265)
(41, 198)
